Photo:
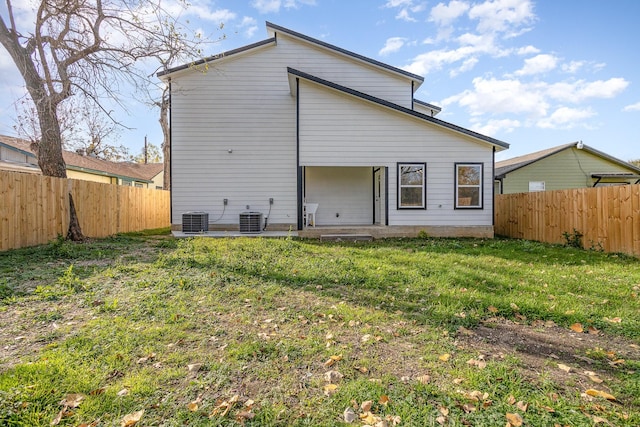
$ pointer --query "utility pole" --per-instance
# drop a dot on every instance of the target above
(146, 157)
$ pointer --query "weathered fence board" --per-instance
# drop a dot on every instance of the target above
(34, 209)
(608, 217)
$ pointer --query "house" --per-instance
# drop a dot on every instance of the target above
(291, 120)
(573, 165)
(16, 155)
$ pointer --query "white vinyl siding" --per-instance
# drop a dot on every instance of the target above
(340, 130)
(344, 195)
(244, 106)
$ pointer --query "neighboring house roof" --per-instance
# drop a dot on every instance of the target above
(276, 28)
(93, 165)
(506, 166)
(500, 144)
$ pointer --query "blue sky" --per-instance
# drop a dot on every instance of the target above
(534, 74)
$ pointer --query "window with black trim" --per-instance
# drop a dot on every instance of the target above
(468, 185)
(412, 184)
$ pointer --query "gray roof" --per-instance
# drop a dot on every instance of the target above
(506, 166)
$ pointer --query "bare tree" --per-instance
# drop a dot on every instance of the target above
(81, 47)
(635, 162)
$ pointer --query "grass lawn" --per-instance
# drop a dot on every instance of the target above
(268, 332)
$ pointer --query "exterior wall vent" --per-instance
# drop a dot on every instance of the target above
(195, 222)
(251, 222)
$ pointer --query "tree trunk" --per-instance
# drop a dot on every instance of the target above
(50, 160)
(166, 142)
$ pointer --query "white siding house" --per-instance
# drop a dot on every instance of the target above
(293, 120)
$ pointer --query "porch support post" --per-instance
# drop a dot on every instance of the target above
(299, 171)
(386, 196)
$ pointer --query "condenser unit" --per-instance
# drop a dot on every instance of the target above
(195, 222)
(251, 222)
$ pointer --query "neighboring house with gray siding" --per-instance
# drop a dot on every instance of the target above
(573, 165)
(292, 120)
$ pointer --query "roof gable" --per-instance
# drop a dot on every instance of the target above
(293, 73)
(275, 29)
(506, 166)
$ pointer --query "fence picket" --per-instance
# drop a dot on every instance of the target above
(34, 209)
(608, 217)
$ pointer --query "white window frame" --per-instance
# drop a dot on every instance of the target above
(422, 186)
(479, 186)
(536, 186)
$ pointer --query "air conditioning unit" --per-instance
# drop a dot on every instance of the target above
(251, 222)
(195, 222)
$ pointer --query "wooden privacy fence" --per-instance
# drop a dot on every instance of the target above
(608, 217)
(34, 209)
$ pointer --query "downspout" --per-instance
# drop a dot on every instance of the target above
(386, 196)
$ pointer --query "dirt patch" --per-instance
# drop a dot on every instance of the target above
(553, 350)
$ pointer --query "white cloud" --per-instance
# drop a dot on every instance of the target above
(492, 96)
(445, 14)
(632, 107)
(248, 26)
(573, 66)
(467, 65)
(392, 45)
(493, 127)
(581, 90)
(565, 118)
(407, 8)
(502, 15)
(273, 6)
(267, 6)
(538, 64)
(527, 50)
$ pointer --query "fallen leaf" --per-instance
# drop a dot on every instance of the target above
(146, 358)
(131, 419)
(492, 309)
(596, 379)
(522, 406)
(349, 415)
(332, 360)
(97, 391)
(614, 320)
(384, 400)
(242, 416)
(361, 369)
(593, 331)
(365, 338)
(332, 377)
(458, 380)
(194, 367)
(393, 419)
(598, 420)
(514, 419)
(468, 408)
(123, 392)
(192, 406)
(577, 327)
(329, 389)
(464, 331)
(564, 367)
(444, 357)
(441, 420)
(366, 405)
(58, 418)
(444, 411)
(423, 379)
(514, 306)
(480, 364)
(600, 393)
(72, 400)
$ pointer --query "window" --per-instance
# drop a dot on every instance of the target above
(468, 185)
(412, 185)
(536, 185)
